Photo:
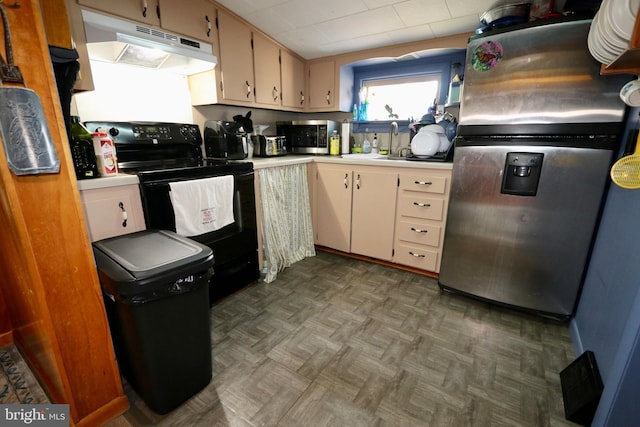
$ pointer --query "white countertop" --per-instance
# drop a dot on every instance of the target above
(352, 159)
(112, 181)
(269, 162)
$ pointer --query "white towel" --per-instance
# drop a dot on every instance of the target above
(203, 205)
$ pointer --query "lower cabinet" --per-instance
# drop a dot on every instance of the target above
(356, 209)
(112, 211)
(420, 218)
(388, 213)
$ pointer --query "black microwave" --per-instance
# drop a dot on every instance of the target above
(307, 136)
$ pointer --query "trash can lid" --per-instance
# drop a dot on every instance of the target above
(149, 250)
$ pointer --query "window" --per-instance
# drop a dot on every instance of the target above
(399, 98)
(405, 89)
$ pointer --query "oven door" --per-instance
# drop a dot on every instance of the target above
(235, 246)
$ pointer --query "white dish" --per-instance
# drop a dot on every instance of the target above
(622, 16)
(425, 143)
(432, 128)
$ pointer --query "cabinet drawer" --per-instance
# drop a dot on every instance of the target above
(414, 232)
(417, 257)
(424, 183)
(421, 207)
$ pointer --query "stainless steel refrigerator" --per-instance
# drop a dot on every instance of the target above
(538, 129)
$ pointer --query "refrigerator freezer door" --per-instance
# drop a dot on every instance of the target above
(541, 74)
(523, 250)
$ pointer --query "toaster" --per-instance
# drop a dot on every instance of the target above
(268, 146)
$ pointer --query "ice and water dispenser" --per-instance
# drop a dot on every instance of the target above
(521, 174)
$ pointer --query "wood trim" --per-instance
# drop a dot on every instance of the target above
(54, 298)
(381, 262)
(6, 339)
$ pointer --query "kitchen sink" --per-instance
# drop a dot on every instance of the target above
(371, 156)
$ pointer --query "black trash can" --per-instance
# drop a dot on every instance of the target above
(156, 294)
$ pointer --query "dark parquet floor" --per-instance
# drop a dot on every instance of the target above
(341, 342)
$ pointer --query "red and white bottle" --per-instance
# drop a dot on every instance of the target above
(105, 149)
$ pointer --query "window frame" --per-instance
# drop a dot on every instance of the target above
(442, 64)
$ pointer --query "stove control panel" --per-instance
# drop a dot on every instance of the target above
(149, 132)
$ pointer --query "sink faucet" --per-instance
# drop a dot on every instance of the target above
(393, 130)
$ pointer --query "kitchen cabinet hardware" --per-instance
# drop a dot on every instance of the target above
(329, 98)
(357, 210)
(124, 214)
(274, 92)
(144, 9)
(422, 205)
(206, 17)
(248, 88)
(301, 98)
(112, 211)
(421, 218)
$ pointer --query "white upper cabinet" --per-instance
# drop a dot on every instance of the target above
(292, 72)
(322, 85)
(197, 20)
(266, 63)
(145, 11)
(236, 59)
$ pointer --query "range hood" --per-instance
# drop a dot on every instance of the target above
(116, 40)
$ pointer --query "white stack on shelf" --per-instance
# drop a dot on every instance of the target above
(611, 29)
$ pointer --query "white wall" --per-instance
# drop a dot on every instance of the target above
(126, 93)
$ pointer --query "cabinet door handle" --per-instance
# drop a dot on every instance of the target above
(274, 93)
(422, 205)
(144, 9)
(248, 88)
(417, 230)
(358, 182)
(124, 214)
(423, 182)
(206, 17)
(346, 180)
(416, 255)
(301, 98)
(329, 98)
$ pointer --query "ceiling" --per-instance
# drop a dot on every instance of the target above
(314, 28)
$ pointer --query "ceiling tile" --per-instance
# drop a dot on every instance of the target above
(270, 22)
(363, 24)
(417, 32)
(460, 8)
(314, 28)
(459, 25)
(417, 12)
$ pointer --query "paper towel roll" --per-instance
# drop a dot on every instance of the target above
(345, 136)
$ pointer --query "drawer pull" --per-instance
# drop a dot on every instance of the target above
(124, 214)
(417, 230)
(422, 205)
(423, 182)
(417, 255)
(346, 180)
